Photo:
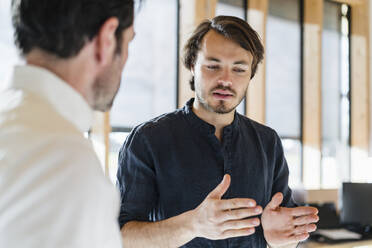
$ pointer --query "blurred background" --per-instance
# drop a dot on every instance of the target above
(313, 86)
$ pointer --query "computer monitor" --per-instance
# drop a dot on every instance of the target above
(356, 203)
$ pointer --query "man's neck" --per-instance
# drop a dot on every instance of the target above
(71, 71)
(219, 121)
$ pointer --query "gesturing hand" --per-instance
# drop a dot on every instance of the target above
(217, 218)
(283, 226)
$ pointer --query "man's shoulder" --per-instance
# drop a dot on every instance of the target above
(161, 123)
(56, 169)
(37, 131)
(260, 128)
(46, 147)
(26, 112)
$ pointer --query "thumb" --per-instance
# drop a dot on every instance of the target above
(275, 201)
(221, 189)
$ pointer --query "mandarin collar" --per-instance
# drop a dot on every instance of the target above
(204, 126)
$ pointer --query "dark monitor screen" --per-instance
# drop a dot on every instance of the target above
(357, 203)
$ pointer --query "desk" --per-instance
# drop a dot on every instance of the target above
(359, 244)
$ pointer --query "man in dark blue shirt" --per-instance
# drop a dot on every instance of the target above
(202, 175)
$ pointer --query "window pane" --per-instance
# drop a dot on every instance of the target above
(283, 79)
(335, 101)
(9, 56)
(232, 8)
(292, 150)
(149, 78)
(116, 141)
(283, 58)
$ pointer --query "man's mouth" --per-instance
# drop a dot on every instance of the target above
(222, 94)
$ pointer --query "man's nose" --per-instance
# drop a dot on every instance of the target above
(225, 78)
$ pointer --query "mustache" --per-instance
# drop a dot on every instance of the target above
(227, 88)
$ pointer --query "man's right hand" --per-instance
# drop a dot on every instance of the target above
(217, 218)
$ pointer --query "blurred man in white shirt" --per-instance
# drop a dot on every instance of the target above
(52, 189)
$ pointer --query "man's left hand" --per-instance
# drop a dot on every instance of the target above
(284, 226)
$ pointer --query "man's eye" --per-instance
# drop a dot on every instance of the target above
(239, 70)
(213, 67)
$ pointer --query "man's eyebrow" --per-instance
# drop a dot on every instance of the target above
(241, 62)
(213, 59)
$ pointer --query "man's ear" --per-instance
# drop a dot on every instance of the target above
(106, 41)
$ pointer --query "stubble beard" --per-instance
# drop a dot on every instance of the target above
(103, 88)
(221, 107)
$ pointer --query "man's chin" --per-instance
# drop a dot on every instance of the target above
(222, 109)
(218, 107)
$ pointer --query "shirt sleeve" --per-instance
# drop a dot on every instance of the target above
(136, 179)
(281, 174)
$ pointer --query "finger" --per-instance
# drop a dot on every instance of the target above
(242, 213)
(307, 219)
(298, 238)
(275, 201)
(241, 224)
(304, 229)
(236, 203)
(221, 189)
(300, 211)
(237, 233)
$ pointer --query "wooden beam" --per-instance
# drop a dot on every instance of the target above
(313, 23)
(256, 95)
(192, 12)
(360, 83)
(321, 196)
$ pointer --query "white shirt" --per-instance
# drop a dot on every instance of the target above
(52, 189)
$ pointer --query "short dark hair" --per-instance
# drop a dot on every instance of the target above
(232, 28)
(62, 27)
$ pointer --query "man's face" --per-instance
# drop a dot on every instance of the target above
(222, 73)
(108, 82)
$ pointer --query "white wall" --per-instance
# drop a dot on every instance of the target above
(8, 53)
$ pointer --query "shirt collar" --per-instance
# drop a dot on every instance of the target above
(66, 100)
(203, 125)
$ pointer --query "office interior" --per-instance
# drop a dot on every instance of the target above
(313, 87)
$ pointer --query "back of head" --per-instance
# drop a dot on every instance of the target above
(62, 27)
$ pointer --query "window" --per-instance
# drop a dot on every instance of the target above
(149, 78)
(335, 163)
(9, 56)
(231, 8)
(116, 141)
(283, 80)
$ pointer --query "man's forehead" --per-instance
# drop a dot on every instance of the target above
(215, 45)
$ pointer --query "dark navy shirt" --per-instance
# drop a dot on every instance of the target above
(169, 165)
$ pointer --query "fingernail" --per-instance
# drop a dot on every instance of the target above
(257, 210)
(251, 204)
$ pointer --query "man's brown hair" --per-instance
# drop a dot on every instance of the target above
(232, 28)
